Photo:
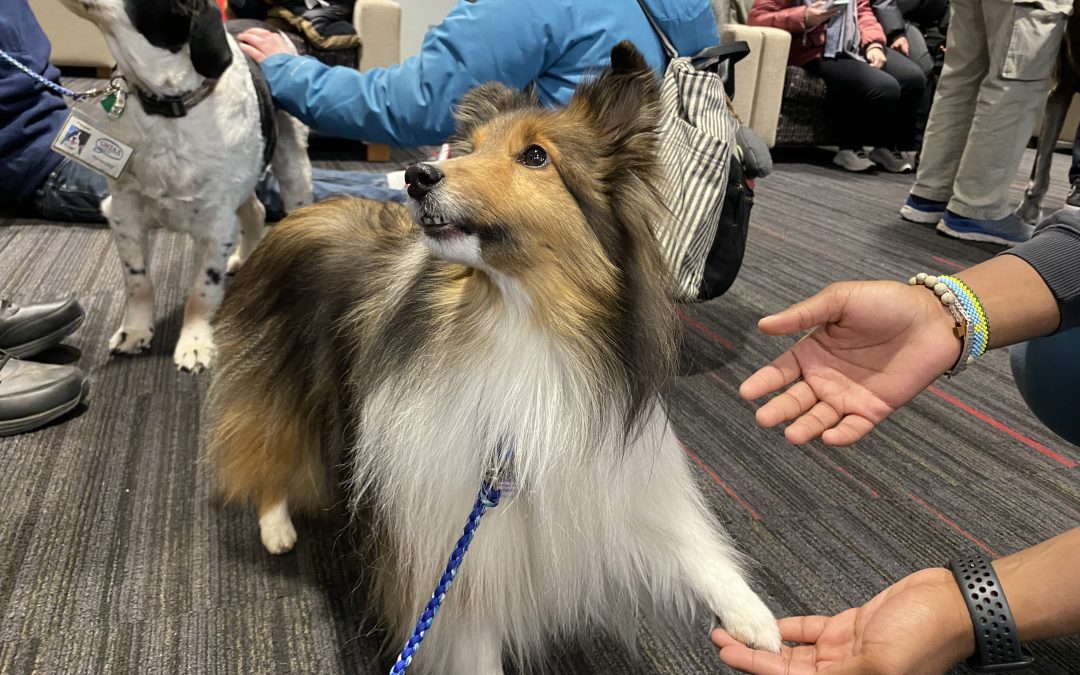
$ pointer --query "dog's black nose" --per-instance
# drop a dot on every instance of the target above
(422, 179)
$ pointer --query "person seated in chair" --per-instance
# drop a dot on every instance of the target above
(549, 45)
(873, 91)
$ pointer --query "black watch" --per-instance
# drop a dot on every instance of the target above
(998, 647)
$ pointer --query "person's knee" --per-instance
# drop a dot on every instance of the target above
(1046, 371)
(885, 91)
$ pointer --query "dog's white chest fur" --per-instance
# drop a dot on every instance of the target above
(590, 527)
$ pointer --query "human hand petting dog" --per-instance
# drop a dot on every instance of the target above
(920, 624)
(258, 43)
(875, 346)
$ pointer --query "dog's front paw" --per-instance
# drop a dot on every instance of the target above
(278, 536)
(131, 340)
(233, 266)
(195, 350)
(753, 625)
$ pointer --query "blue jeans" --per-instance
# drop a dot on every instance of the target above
(1047, 372)
(73, 192)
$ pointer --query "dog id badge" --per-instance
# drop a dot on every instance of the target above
(92, 147)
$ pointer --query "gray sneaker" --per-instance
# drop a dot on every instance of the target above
(25, 331)
(34, 394)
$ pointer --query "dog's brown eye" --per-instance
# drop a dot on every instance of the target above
(534, 156)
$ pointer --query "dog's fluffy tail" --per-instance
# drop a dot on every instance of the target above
(275, 428)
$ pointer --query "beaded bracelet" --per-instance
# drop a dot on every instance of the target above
(972, 328)
(967, 299)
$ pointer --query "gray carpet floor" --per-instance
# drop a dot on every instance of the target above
(114, 558)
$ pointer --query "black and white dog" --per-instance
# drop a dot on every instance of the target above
(203, 133)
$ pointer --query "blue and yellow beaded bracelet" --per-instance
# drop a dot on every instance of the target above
(972, 327)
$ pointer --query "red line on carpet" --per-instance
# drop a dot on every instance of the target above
(1034, 445)
(844, 472)
(712, 474)
(706, 331)
(948, 263)
(945, 519)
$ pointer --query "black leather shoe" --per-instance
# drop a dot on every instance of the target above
(25, 331)
(1074, 196)
(34, 394)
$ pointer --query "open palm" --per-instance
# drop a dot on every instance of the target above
(910, 627)
(875, 345)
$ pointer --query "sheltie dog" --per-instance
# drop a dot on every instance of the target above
(523, 303)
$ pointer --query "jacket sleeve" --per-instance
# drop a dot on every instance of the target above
(869, 29)
(776, 14)
(1054, 252)
(411, 103)
(890, 17)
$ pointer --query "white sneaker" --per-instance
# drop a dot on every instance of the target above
(893, 161)
(853, 160)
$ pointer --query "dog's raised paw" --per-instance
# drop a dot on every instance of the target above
(195, 350)
(131, 340)
(754, 627)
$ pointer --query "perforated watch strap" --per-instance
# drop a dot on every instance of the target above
(997, 644)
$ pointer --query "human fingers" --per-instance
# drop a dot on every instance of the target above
(797, 661)
(797, 400)
(805, 629)
(780, 373)
(254, 53)
(815, 422)
(825, 306)
(850, 429)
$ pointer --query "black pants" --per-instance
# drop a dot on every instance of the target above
(868, 106)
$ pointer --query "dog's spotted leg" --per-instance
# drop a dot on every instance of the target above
(275, 527)
(251, 217)
(195, 350)
(292, 167)
(137, 327)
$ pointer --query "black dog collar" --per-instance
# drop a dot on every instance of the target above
(175, 106)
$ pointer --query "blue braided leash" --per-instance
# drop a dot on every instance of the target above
(487, 497)
(49, 84)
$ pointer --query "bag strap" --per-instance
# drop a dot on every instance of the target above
(668, 47)
(711, 57)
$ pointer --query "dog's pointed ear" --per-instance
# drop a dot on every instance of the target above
(210, 53)
(622, 103)
(480, 104)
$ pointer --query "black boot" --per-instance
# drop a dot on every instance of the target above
(25, 331)
(34, 394)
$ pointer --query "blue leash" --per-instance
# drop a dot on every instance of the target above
(52, 86)
(487, 497)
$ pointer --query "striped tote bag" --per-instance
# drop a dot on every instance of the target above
(697, 141)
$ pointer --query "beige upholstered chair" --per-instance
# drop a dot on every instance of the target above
(76, 42)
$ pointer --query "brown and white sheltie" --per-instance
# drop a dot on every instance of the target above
(524, 299)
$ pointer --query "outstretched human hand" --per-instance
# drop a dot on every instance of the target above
(875, 346)
(920, 624)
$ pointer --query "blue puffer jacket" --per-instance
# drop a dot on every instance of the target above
(553, 43)
(30, 115)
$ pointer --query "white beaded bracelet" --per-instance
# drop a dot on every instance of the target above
(965, 327)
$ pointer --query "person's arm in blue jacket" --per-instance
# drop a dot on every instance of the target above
(410, 104)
